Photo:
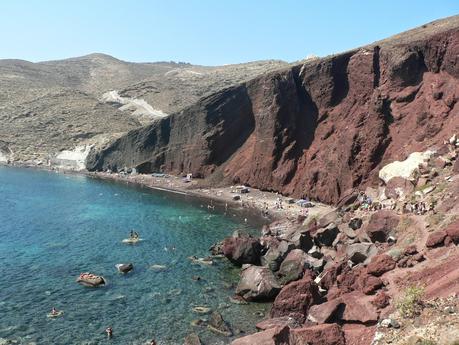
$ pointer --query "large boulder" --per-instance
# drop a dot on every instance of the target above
(242, 249)
(361, 252)
(358, 309)
(327, 312)
(382, 223)
(325, 220)
(380, 264)
(326, 334)
(271, 336)
(296, 298)
(275, 254)
(398, 188)
(293, 266)
(257, 284)
(299, 238)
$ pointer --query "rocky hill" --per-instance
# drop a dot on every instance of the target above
(317, 128)
(52, 106)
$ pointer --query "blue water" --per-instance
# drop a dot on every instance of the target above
(54, 226)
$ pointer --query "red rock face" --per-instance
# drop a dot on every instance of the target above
(380, 264)
(318, 129)
(296, 298)
(326, 334)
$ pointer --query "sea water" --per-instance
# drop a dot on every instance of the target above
(55, 226)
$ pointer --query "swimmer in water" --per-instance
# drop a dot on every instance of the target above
(54, 311)
(109, 331)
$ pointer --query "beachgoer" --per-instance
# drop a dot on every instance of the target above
(131, 235)
(153, 342)
(109, 331)
(54, 311)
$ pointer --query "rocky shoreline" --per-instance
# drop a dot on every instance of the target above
(335, 275)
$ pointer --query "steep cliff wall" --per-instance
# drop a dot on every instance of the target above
(316, 129)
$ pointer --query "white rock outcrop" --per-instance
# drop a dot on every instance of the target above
(404, 168)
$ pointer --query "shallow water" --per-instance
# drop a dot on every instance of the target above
(54, 226)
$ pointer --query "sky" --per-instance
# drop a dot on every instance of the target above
(205, 32)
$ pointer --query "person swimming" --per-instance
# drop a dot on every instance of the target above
(54, 311)
(109, 331)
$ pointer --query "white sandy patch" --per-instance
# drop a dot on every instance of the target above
(404, 168)
(139, 107)
(3, 158)
(72, 159)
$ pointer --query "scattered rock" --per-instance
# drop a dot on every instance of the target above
(124, 268)
(296, 298)
(358, 308)
(355, 223)
(275, 254)
(271, 336)
(218, 325)
(192, 339)
(398, 188)
(381, 224)
(381, 264)
(257, 283)
(326, 236)
(242, 250)
(360, 252)
(326, 334)
(293, 266)
(452, 230)
(326, 312)
(435, 239)
(278, 322)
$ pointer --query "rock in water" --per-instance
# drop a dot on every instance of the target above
(257, 284)
(124, 268)
(192, 339)
(218, 325)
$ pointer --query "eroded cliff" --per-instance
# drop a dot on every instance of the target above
(318, 128)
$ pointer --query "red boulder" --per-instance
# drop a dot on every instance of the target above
(436, 239)
(326, 334)
(381, 264)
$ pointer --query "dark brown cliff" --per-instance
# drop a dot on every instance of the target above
(318, 128)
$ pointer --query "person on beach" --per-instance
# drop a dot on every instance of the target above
(109, 331)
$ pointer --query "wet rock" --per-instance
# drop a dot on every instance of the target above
(202, 310)
(436, 239)
(242, 250)
(355, 223)
(360, 252)
(278, 322)
(296, 298)
(124, 268)
(216, 249)
(236, 299)
(192, 339)
(257, 283)
(271, 336)
(398, 188)
(381, 264)
(381, 224)
(218, 325)
(326, 334)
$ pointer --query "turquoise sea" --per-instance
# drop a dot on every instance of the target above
(54, 226)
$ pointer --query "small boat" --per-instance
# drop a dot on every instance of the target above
(90, 280)
(132, 240)
(55, 315)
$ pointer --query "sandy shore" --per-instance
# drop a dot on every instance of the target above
(256, 202)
